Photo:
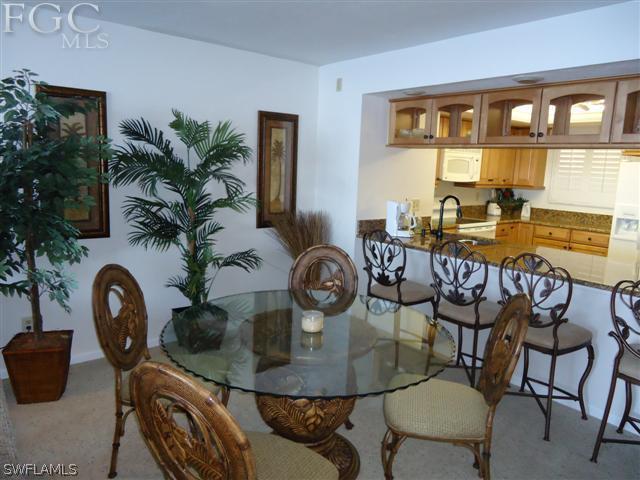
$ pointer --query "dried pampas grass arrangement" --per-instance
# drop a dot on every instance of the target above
(298, 231)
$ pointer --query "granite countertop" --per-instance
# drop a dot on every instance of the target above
(585, 269)
(449, 224)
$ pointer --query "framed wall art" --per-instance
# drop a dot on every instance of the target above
(92, 222)
(277, 162)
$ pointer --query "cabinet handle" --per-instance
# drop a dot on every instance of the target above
(489, 179)
(589, 238)
(431, 136)
(532, 134)
(540, 134)
(550, 234)
(425, 136)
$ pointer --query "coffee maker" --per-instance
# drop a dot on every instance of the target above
(400, 219)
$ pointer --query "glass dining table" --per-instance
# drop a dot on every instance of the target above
(306, 384)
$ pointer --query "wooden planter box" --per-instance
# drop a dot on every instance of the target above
(38, 373)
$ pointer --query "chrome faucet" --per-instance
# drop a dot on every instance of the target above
(458, 213)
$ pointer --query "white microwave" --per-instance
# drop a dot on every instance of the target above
(460, 164)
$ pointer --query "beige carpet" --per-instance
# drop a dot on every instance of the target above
(78, 429)
(7, 438)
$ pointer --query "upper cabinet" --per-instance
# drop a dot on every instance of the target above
(455, 119)
(510, 116)
(585, 113)
(577, 113)
(410, 122)
(626, 114)
(435, 121)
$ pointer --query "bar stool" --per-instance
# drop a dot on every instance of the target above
(460, 278)
(385, 260)
(550, 289)
(625, 307)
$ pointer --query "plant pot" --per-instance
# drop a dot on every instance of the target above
(200, 327)
(38, 370)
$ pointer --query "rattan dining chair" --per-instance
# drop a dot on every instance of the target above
(191, 434)
(625, 313)
(123, 338)
(451, 412)
(459, 279)
(550, 289)
(327, 269)
(385, 259)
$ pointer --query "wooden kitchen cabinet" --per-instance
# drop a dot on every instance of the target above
(577, 113)
(510, 116)
(529, 168)
(455, 119)
(410, 122)
(497, 167)
(572, 240)
(525, 234)
(552, 233)
(547, 242)
(626, 115)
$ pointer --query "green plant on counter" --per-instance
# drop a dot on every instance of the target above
(40, 176)
(507, 200)
(182, 214)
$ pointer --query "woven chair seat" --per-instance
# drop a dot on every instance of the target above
(412, 292)
(570, 335)
(280, 459)
(436, 409)
(630, 364)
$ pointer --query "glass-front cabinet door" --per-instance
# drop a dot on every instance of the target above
(510, 116)
(577, 113)
(455, 119)
(626, 115)
(409, 122)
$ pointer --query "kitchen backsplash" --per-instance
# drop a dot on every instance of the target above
(560, 217)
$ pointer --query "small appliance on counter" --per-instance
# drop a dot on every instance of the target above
(400, 219)
(493, 209)
(525, 214)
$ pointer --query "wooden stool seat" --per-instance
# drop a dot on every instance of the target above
(410, 292)
(570, 337)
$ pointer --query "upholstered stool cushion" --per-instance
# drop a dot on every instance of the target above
(412, 292)
(280, 459)
(436, 409)
(569, 336)
(467, 315)
(629, 363)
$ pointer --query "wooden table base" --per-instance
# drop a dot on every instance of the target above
(314, 423)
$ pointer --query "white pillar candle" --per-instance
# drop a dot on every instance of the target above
(312, 321)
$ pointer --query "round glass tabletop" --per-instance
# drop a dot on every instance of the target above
(254, 342)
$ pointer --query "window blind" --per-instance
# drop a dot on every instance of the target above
(584, 177)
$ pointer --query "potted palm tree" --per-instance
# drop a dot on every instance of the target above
(39, 177)
(178, 210)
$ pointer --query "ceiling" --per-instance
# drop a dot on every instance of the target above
(319, 32)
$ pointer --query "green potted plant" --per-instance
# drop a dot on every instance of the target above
(178, 210)
(39, 177)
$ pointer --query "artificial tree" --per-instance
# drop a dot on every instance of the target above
(178, 209)
(40, 176)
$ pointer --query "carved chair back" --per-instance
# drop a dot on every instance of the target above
(188, 431)
(549, 288)
(123, 332)
(327, 269)
(625, 313)
(385, 259)
(459, 274)
(503, 347)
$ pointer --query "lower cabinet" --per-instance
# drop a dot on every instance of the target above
(571, 239)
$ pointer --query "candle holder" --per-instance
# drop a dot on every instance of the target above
(312, 321)
(311, 341)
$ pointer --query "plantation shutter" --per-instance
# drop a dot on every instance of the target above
(584, 177)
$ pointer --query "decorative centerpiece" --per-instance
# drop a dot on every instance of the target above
(312, 321)
(311, 341)
(508, 202)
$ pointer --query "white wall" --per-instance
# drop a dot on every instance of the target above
(389, 173)
(555, 43)
(146, 74)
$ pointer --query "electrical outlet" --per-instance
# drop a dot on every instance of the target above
(339, 84)
(27, 324)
